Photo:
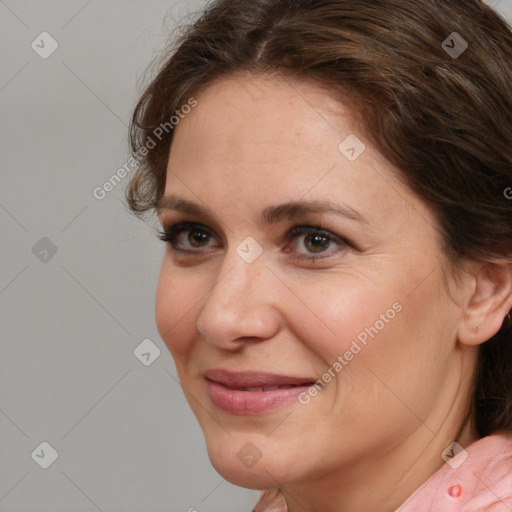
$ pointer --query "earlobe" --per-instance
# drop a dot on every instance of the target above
(488, 304)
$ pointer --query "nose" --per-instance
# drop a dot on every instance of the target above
(240, 307)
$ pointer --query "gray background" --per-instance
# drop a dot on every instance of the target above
(70, 321)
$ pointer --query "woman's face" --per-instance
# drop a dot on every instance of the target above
(302, 260)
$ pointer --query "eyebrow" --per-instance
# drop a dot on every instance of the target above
(271, 214)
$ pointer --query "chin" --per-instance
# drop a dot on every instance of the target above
(242, 467)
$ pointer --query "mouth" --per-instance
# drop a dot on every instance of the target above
(252, 393)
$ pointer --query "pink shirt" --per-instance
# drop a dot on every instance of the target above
(478, 479)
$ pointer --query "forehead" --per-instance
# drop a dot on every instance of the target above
(267, 140)
(256, 109)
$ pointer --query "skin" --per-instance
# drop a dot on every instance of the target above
(377, 430)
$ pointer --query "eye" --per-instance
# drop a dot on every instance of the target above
(186, 237)
(308, 242)
(303, 242)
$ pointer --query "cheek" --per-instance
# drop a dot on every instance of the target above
(376, 326)
(174, 310)
(392, 354)
(339, 311)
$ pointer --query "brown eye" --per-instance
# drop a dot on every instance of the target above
(187, 237)
(316, 243)
(197, 238)
(313, 242)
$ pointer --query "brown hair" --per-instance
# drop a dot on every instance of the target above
(443, 118)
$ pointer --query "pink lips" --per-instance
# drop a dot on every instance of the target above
(252, 393)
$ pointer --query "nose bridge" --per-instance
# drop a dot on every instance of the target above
(237, 305)
(235, 281)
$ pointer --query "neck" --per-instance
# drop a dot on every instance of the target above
(382, 484)
(384, 480)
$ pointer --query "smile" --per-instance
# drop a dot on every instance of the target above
(252, 393)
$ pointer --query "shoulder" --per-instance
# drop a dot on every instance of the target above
(491, 475)
(477, 479)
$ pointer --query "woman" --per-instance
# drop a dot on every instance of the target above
(331, 178)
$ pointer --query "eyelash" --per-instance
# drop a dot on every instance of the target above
(170, 233)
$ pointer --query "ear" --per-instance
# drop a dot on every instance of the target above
(488, 303)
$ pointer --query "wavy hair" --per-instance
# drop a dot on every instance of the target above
(439, 112)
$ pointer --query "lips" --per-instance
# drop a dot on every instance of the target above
(255, 381)
(252, 392)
